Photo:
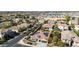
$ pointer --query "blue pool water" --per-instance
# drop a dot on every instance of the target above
(40, 44)
(46, 33)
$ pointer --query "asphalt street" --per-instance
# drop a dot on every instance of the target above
(12, 42)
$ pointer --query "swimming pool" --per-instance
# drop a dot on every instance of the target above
(41, 44)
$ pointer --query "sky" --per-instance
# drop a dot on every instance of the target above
(38, 5)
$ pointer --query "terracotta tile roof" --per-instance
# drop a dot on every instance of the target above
(40, 35)
(48, 25)
(61, 25)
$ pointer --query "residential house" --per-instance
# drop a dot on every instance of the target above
(69, 37)
(40, 38)
(48, 26)
(66, 36)
(51, 22)
(15, 21)
(62, 26)
(15, 28)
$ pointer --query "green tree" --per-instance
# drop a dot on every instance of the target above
(60, 44)
(33, 17)
(6, 25)
(22, 29)
(1, 41)
(55, 39)
(50, 40)
(78, 20)
(28, 17)
(1, 17)
(72, 25)
(45, 22)
(67, 19)
(77, 32)
(56, 33)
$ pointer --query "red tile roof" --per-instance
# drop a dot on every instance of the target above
(48, 25)
(40, 36)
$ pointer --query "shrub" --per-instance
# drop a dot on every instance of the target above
(22, 29)
(77, 32)
(6, 25)
(2, 40)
